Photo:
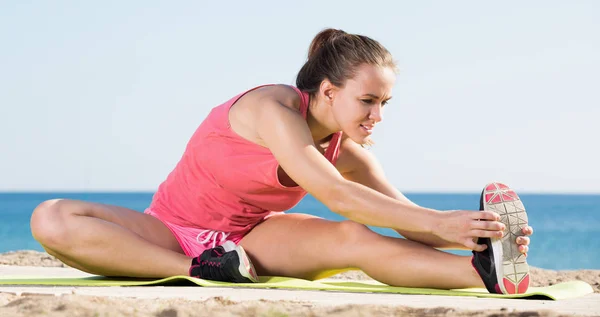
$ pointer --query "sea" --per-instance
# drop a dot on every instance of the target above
(566, 227)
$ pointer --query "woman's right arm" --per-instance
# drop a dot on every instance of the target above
(284, 131)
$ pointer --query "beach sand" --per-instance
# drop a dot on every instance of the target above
(29, 304)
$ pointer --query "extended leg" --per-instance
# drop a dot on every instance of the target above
(304, 246)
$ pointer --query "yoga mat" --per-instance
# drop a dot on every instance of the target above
(559, 291)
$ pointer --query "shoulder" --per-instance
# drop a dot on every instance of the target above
(282, 95)
(272, 109)
(263, 104)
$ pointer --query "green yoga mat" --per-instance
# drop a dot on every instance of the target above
(555, 292)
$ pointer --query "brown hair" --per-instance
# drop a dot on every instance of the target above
(335, 55)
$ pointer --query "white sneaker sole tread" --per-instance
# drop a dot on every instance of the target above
(512, 270)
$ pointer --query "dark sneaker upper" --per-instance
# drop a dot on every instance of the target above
(483, 262)
(217, 264)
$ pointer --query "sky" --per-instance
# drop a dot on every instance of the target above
(103, 96)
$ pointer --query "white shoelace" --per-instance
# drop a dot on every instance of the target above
(212, 235)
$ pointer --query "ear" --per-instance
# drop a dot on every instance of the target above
(327, 91)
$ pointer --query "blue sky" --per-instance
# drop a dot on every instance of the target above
(104, 96)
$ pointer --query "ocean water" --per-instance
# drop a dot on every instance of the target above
(566, 227)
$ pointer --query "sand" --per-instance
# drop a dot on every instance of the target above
(28, 304)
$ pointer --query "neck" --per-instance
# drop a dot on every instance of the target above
(319, 120)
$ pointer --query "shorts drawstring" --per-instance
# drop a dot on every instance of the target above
(212, 235)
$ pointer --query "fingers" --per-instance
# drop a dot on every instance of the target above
(469, 243)
(527, 230)
(523, 240)
(486, 234)
(523, 249)
(488, 225)
(492, 228)
(485, 215)
(487, 229)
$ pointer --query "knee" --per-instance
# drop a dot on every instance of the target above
(48, 222)
(354, 233)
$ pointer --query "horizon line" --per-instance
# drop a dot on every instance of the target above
(417, 192)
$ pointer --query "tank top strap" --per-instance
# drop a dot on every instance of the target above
(304, 100)
(333, 150)
(233, 100)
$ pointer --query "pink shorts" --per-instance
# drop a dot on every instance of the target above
(194, 241)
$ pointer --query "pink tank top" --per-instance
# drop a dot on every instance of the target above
(225, 182)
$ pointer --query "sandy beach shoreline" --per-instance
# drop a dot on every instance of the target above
(28, 304)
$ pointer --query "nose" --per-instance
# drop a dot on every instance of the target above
(376, 113)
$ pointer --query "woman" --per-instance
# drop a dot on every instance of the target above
(256, 156)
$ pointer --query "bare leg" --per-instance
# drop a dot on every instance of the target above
(304, 246)
(108, 240)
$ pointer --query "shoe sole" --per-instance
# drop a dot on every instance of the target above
(512, 270)
(246, 268)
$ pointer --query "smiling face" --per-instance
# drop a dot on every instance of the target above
(357, 106)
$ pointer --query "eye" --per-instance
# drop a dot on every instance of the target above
(367, 101)
(385, 102)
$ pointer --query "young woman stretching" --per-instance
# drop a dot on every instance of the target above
(220, 213)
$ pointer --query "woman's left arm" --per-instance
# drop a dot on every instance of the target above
(357, 164)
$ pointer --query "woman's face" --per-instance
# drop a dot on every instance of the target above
(358, 106)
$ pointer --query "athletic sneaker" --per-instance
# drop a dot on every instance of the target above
(503, 269)
(226, 263)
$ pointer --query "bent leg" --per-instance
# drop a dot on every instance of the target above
(304, 246)
(107, 240)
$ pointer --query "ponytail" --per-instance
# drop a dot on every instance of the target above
(335, 55)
